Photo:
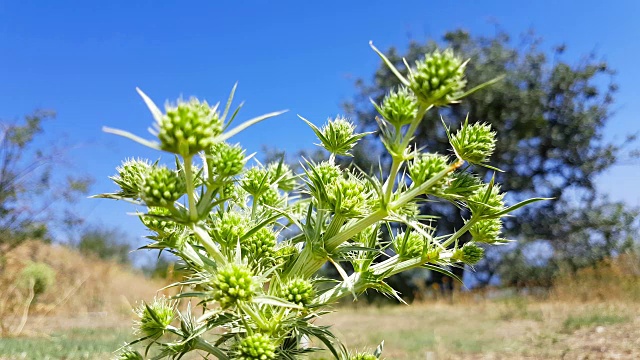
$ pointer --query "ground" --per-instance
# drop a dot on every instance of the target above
(514, 328)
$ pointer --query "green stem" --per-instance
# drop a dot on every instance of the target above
(354, 229)
(334, 226)
(188, 172)
(208, 244)
(460, 231)
(391, 180)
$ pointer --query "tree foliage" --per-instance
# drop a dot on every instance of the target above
(550, 115)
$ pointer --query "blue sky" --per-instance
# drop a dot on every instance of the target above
(84, 59)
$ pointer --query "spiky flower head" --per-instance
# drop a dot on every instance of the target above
(486, 200)
(256, 181)
(281, 174)
(347, 196)
(256, 347)
(438, 79)
(474, 143)
(162, 187)
(225, 160)
(337, 136)
(487, 231)
(130, 176)
(233, 283)
(129, 354)
(158, 224)
(363, 356)
(298, 291)
(154, 318)
(229, 227)
(271, 197)
(462, 185)
(320, 176)
(399, 107)
(260, 245)
(409, 245)
(469, 253)
(285, 255)
(426, 166)
(189, 127)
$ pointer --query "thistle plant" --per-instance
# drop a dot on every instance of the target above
(252, 238)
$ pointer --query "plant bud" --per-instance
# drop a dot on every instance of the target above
(256, 181)
(469, 253)
(224, 160)
(281, 174)
(155, 224)
(271, 197)
(338, 137)
(154, 318)
(363, 356)
(399, 107)
(233, 283)
(438, 78)
(130, 355)
(285, 255)
(487, 231)
(229, 227)
(462, 185)
(346, 197)
(130, 176)
(426, 166)
(474, 143)
(320, 176)
(162, 187)
(256, 347)
(189, 127)
(260, 245)
(409, 245)
(298, 291)
(487, 200)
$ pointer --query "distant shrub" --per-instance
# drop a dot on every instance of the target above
(39, 275)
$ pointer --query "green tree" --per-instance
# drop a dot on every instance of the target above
(549, 115)
(32, 196)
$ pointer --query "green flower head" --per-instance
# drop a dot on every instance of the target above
(129, 354)
(363, 356)
(347, 197)
(487, 231)
(225, 160)
(469, 253)
(158, 225)
(486, 200)
(438, 79)
(399, 107)
(474, 143)
(130, 176)
(337, 135)
(229, 227)
(233, 283)
(189, 127)
(271, 197)
(256, 181)
(260, 245)
(409, 245)
(154, 318)
(426, 166)
(462, 185)
(298, 291)
(256, 347)
(162, 187)
(281, 174)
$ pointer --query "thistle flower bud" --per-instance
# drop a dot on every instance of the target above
(462, 185)
(260, 245)
(229, 227)
(426, 166)
(256, 347)
(363, 356)
(487, 231)
(256, 181)
(156, 224)
(409, 245)
(130, 354)
(474, 143)
(469, 253)
(486, 200)
(346, 197)
(189, 127)
(337, 136)
(320, 176)
(271, 197)
(285, 255)
(399, 107)
(162, 187)
(281, 174)
(233, 283)
(438, 78)
(154, 318)
(130, 176)
(298, 291)
(225, 160)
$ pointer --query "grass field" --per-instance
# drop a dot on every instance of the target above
(516, 328)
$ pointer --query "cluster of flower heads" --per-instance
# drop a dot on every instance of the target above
(251, 239)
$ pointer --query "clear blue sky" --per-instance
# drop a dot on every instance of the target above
(84, 60)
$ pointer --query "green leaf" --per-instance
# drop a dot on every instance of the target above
(275, 301)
